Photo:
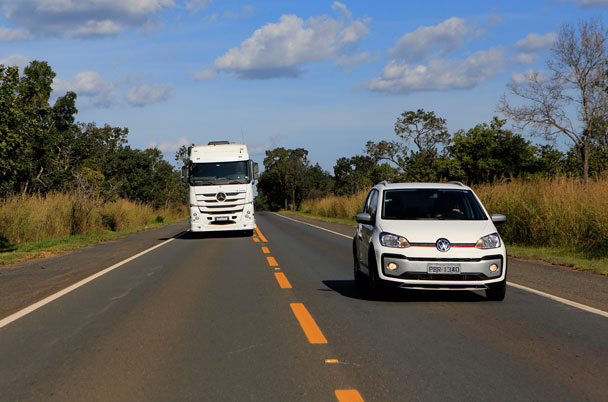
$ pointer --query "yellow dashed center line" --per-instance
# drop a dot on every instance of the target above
(308, 324)
(348, 395)
(260, 235)
(282, 279)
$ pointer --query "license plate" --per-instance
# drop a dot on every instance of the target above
(443, 268)
(221, 218)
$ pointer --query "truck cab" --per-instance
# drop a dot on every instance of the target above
(220, 176)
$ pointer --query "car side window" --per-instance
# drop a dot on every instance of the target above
(373, 204)
(366, 203)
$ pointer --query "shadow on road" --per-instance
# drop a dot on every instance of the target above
(214, 235)
(347, 288)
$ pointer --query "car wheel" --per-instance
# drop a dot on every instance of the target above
(373, 285)
(496, 292)
(360, 279)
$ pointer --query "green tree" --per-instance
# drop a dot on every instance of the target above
(487, 151)
(283, 183)
(32, 133)
(426, 131)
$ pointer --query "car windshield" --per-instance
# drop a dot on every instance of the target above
(431, 204)
(202, 174)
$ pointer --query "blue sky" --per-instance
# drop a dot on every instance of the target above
(323, 75)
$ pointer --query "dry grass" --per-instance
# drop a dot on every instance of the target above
(335, 207)
(38, 218)
(562, 212)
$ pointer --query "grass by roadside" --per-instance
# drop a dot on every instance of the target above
(557, 256)
(12, 254)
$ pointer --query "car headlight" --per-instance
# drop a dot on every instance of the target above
(489, 241)
(392, 240)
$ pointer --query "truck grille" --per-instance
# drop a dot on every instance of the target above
(208, 203)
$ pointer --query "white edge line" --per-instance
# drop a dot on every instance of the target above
(33, 307)
(515, 285)
(561, 300)
(314, 226)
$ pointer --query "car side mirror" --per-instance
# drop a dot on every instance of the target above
(185, 174)
(364, 218)
(498, 218)
(256, 171)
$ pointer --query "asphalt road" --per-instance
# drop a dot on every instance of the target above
(277, 318)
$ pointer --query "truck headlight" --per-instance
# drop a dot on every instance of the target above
(488, 241)
(393, 240)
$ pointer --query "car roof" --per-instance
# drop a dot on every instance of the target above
(412, 186)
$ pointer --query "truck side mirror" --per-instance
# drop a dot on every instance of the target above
(185, 174)
(256, 171)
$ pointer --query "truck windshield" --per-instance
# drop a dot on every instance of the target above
(204, 174)
(414, 204)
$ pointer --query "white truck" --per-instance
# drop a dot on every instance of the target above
(220, 176)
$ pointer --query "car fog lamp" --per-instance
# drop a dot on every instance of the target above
(493, 267)
(392, 266)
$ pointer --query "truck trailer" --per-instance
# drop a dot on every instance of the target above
(220, 176)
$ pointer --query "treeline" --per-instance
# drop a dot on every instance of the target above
(482, 154)
(569, 101)
(43, 149)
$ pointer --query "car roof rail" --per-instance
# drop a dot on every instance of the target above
(458, 183)
(384, 183)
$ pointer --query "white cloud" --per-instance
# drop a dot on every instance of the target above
(528, 76)
(90, 88)
(280, 49)
(197, 5)
(204, 75)
(246, 11)
(350, 63)
(588, 3)
(80, 17)
(145, 94)
(526, 58)
(18, 60)
(341, 7)
(440, 74)
(14, 35)
(535, 42)
(169, 146)
(432, 41)
(260, 149)
(97, 28)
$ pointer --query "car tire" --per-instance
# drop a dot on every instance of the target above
(360, 278)
(496, 292)
(373, 283)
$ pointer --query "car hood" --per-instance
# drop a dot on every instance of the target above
(428, 231)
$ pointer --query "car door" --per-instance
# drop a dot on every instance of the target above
(365, 230)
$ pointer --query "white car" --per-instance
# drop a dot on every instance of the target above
(428, 236)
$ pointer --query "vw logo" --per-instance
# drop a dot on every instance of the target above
(221, 197)
(443, 245)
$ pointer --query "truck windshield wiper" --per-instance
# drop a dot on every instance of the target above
(240, 181)
(201, 182)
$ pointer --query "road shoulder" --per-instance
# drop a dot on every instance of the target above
(24, 284)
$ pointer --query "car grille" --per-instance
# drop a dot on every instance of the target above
(442, 277)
